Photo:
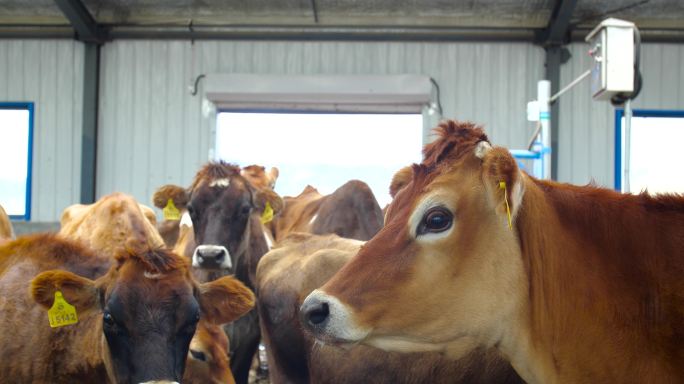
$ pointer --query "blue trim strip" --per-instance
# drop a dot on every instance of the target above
(29, 169)
(619, 114)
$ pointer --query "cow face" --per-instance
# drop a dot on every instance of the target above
(446, 270)
(149, 306)
(221, 205)
(220, 210)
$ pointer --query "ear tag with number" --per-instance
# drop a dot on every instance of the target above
(61, 313)
(267, 216)
(502, 185)
(170, 211)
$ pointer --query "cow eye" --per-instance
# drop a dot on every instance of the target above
(436, 220)
(109, 322)
(198, 355)
(245, 210)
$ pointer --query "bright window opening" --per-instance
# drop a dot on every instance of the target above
(15, 154)
(656, 157)
(321, 149)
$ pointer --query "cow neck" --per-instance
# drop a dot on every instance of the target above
(584, 275)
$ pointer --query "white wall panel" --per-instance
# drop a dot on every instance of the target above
(587, 127)
(50, 74)
(152, 131)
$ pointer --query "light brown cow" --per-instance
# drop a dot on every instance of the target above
(164, 196)
(575, 285)
(106, 226)
(135, 320)
(208, 362)
(351, 211)
(303, 262)
(6, 231)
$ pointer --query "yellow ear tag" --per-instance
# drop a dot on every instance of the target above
(502, 185)
(267, 216)
(170, 211)
(61, 313)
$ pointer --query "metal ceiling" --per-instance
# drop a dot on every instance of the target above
(339, 19)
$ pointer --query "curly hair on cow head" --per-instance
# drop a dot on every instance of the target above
(455, 138)
(154, 260)
(214, 170)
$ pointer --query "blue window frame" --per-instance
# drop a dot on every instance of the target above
(16, 152)
(662, 142)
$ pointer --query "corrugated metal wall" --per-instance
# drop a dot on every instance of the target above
(152, 131)
(50, 74)
(587, 127)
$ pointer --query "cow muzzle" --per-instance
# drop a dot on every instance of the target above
(329, 320)
(160, 382)
(211, 257)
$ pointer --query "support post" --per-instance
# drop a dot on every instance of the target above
(543, 95)
(91, 84)
(554, 59)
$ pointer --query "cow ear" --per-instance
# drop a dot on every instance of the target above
(78, 291)
(264, 196)
(178, 195)
(400, 179)
(273, 177)
(503, 180)
(225, 300)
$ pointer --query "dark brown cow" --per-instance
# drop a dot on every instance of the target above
(228, 237)
(303, 262)
(6, 231)
(351, 211)
(584, 286)
(135, 321)
(170, 229)
(106, 226)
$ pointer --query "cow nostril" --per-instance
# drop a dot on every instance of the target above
(319, 314)
(220, 256)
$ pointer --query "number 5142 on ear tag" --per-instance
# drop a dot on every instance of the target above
(61, 313)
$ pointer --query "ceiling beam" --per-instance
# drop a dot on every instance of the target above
(557, 32)
(82, 21)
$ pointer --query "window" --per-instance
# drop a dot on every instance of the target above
(655, 156)
(16, 128)
(324, 150)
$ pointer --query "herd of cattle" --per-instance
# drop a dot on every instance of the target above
(475, 273)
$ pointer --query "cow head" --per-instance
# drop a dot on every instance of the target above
(446, 269)
(147, 306)
(208, 361)
(221, 204)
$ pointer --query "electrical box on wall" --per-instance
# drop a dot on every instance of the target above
(612, 48)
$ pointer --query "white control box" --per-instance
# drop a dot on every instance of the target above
(611, 44)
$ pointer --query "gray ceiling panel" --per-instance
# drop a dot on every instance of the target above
(527, 14)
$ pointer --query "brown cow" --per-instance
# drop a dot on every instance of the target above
(351, 211)
(576, 284)
(106, 226)
(135, 320)
(227, 236)
(170, 228)
(208, 361)
(303, 262)
(6, 231)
